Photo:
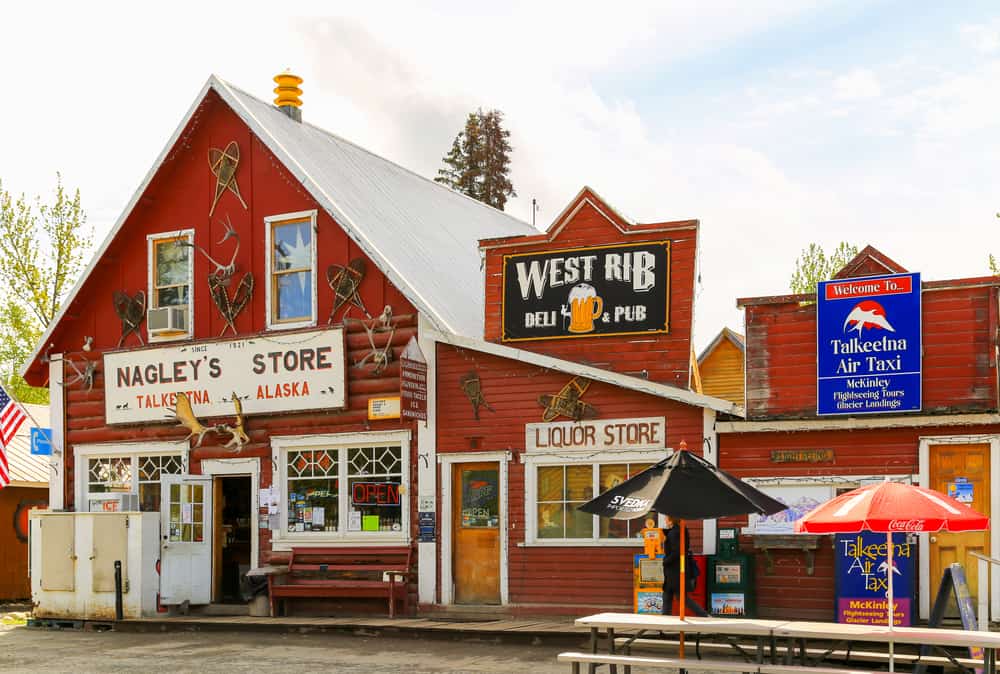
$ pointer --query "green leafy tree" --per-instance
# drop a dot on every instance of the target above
(478, 163)
(814, 265)
(42, 249)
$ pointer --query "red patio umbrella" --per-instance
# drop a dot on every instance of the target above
(890, 507)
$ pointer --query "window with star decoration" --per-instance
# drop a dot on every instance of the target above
(291, 286)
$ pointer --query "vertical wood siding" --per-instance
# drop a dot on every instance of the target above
(722, 373)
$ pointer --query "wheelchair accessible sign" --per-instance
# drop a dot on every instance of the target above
(868, 349)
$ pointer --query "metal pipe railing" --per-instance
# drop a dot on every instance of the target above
(983, 590)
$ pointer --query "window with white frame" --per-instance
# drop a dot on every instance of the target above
(291, 264)
(333, 490)
(556, 490)
(130, 473)
(171, 272)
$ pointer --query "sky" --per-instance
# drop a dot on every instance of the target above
(775, 124)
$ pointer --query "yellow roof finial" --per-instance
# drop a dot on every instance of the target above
(288, 91)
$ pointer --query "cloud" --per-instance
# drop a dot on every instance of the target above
(984, 37)
(859, 84)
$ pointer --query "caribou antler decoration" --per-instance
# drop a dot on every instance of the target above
(220, 278)
(381, 323)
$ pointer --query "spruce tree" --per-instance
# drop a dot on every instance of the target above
(478, 163)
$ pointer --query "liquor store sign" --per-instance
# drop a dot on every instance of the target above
(868, 350)
(280, 373)
(638, 433)
(587, 292)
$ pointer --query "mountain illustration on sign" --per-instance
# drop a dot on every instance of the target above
(867, 314)
(794, 511)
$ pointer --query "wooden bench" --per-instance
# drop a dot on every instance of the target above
(691, 664)
(577, 659)
(355, 572)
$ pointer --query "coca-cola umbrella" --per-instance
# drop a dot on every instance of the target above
(891, 507)
(684, 486)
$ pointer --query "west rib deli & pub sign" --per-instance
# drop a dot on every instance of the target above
(587, 292)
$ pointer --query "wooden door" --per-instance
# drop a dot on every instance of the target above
(952, 465)
(476, 532)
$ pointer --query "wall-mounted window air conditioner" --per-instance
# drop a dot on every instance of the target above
(167, 320)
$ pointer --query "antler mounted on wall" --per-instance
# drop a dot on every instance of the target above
(236, 430)
(221, 276)
(186, 418)
(381, 323)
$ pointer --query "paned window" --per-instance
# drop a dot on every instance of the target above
(170, 286)
(561, 489)
(187, 515)
(343, 492)
(291, 270)
(132, 473)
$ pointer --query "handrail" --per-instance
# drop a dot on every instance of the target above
(984, 587)
(985, 558)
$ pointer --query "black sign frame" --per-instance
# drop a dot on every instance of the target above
(551, 306)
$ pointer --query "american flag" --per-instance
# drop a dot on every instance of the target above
(12, 415)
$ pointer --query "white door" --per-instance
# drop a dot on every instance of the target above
(186, 539)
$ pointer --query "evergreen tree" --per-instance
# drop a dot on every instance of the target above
(478, 164)
(814, 265)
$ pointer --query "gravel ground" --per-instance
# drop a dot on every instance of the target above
(42, 650)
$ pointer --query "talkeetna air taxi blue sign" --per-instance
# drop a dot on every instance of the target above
(868, 349)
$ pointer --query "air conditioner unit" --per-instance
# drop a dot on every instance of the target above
(167, 320)
(113, 503)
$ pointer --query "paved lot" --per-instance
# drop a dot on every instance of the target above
(40, 650)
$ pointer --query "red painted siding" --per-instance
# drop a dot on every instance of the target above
(664, 357)
(959, 364)
(552, 577)
(786, 590)
(179, 197)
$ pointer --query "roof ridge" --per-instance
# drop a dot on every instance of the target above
(385, 159)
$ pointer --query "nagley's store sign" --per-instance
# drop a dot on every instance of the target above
(278, 373)
(637, 433)
(587, 292)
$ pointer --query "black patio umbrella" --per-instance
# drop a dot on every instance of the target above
(684, 486)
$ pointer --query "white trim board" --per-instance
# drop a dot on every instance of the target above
(596, 374)
(446, 462)
(924, 546)
(856, 423)
(427, 468)
(242, 466)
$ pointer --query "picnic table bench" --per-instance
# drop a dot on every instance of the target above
(766, 632)
(348, 572)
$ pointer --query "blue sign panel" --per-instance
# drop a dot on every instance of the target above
(862, 575)
(868, 345)
(41, 441)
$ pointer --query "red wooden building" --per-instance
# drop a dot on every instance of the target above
(594, 313)
(788, 449)
(267, 265)
(274, 273)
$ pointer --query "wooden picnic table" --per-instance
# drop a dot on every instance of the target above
(796, 632)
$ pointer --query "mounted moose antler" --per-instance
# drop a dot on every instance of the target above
(186, 418)
(239, 435)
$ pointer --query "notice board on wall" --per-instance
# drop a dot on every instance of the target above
(868, 345)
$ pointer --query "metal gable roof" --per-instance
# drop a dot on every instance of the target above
(422, 235)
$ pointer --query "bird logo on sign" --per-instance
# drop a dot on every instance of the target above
(867, 314)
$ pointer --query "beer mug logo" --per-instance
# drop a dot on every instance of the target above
(584, 306)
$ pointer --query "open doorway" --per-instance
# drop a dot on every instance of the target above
(231, 557)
